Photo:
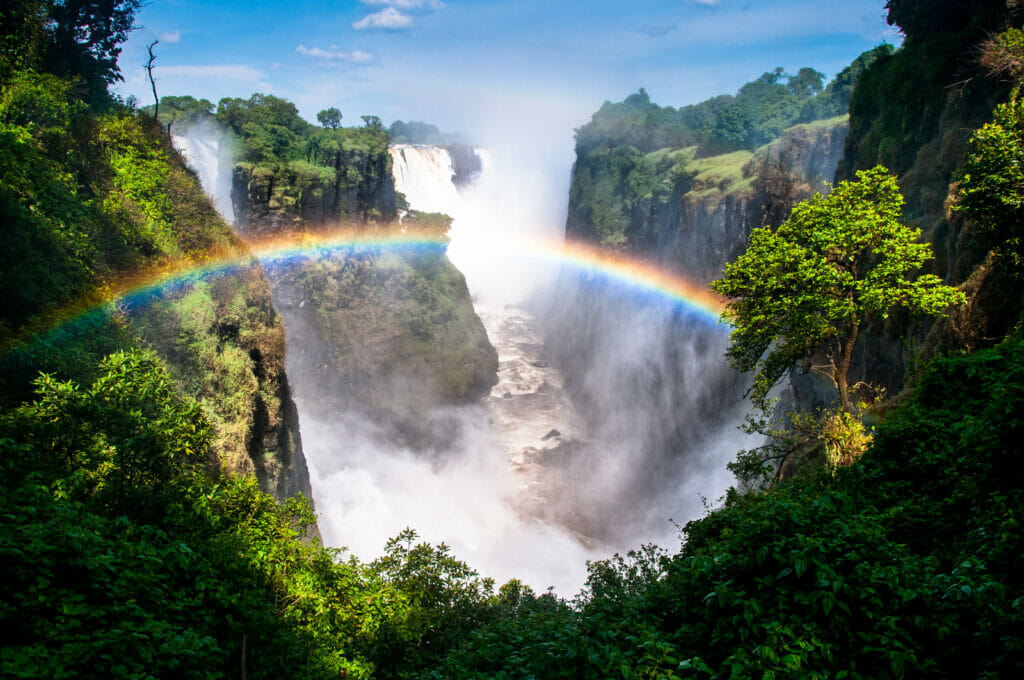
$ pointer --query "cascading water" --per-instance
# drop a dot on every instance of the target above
(659, 405)
(531, 483)
(207, 148)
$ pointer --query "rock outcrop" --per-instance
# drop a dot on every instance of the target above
(694, 214)
(271, 201)
(388, 332)
(691, 215)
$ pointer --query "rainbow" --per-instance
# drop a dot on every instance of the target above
(129, 291)
(639, 274)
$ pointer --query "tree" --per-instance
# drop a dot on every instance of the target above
(373, 122)
(991, 183)
(152, 83)
(813, 283)
(86, 37)
(69, 38)
(330, 118)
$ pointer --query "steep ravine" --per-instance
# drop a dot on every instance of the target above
(690, 215)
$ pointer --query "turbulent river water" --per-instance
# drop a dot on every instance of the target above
(531, 487)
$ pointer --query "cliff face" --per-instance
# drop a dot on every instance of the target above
(466, 163)
(388, 333)
(143, 212)
(694, 214)
(914, 112)
(224, 344)
(275, 200)
(385, 333)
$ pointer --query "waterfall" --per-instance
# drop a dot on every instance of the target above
(424, 174)
(208, 151)
(613, 415)
(657, 403)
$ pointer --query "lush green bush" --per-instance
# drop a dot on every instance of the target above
(122, 557)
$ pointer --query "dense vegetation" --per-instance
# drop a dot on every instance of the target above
(756, 115)
(837, 263)
(905, 564)
(418, 132)
(94, 202)
(293, 161)
(126, 552)
(639, 166)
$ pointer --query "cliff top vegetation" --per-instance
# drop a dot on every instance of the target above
(756, 115)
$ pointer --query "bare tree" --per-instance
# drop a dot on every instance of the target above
(149, 73)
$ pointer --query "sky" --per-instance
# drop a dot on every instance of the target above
(480, 66)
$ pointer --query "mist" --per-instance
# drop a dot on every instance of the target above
(612, 420)
(209, 150)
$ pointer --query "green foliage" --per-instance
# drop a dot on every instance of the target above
(93, 442)
(991, 183)
(417, 132)
(835, 99)
(78, 40)
(913, 110)
(827, 438)
(181, 111)
(122, 558)
(430, 225)
(330, 118)
(291, 160)
(638, 163)
(813, 282)
(756, 115)
(922, 19)
(448, 600)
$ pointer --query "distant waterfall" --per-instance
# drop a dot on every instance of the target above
(424, 174)
(208, 151)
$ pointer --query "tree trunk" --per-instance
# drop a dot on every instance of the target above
(843, 367)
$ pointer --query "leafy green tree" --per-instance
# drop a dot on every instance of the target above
(70, 38)
(449, 600)
(812, 284)
(373, 122)
(96, 439)
(991, 182)
(330, 118)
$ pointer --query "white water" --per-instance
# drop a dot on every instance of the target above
(598, 482)
(528, 483)
(208, 151)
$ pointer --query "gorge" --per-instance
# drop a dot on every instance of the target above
(511, 350)
(541, 472)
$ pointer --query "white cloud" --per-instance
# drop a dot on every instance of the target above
(407, 4)
(388, 18)
(170, 37)
(333, 53)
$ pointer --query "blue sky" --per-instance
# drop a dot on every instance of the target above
(474, 65)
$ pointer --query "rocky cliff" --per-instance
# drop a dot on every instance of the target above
(914, 111)
(143, 212)
(694, 214)
(224, 344)
(272, 200)
(388, 332)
